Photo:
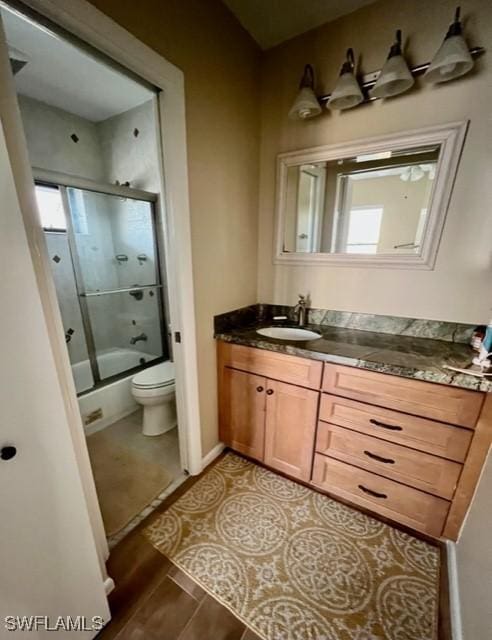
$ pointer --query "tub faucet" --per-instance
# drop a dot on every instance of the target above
(142, 337)
(300, 310)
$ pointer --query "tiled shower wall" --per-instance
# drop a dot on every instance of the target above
(48, 133)
(119, 149)
(128, 143)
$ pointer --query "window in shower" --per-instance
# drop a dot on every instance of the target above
(50, 207)
(113, 265)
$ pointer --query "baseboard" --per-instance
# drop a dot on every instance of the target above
(211, 455)
(454, 594)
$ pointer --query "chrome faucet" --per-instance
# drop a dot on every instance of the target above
(142, 337)
(301, 310)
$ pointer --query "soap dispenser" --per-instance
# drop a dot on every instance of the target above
(482, 360)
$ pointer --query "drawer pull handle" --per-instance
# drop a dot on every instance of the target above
(374, 456)
(269, 392)
(393, 427)
(371, 492)
(259, 389)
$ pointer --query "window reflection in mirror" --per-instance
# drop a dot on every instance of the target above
(368, 204)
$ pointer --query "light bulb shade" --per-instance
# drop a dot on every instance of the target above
(451, 61)
(305, 106)
(347, 93)
(395, 78)
(412, 174)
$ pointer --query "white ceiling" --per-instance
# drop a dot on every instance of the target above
(60, 74)
(270, 22)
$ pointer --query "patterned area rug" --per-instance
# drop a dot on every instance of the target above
(296, 565)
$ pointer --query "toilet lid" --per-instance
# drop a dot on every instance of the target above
(159, 375)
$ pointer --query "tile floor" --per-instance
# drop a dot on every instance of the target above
(163, 450)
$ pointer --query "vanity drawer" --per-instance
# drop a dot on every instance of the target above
(278, 366)
(427, 399)
(391, 499)
(419, 433)
(420, 470)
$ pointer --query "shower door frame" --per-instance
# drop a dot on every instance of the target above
(62, 181)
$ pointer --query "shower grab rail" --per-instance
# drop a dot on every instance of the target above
(90, 294)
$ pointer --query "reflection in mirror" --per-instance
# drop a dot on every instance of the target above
(375, 203)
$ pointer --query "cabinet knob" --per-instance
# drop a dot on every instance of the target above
(259, 389)
(7, 453)
(269, 392)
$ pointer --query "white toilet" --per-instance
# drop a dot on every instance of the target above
(154, 388)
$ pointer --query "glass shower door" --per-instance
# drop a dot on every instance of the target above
(53, 221)
(116, 262)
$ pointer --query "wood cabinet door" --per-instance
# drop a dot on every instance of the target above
(242, 412)
(290, 428)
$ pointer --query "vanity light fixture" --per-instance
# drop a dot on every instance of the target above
(306, 104)
(453, 58)
(395, 76)
(347, 93)
(414, 173)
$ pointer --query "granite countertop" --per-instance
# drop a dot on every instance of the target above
(409, 357)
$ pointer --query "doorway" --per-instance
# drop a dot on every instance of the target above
(107, 257)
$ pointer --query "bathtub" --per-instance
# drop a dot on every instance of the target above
(112, 401)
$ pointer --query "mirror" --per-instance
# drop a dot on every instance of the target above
(380, 202)
(371, 203)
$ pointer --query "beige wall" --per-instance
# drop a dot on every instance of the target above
(221, 67)
(474, 559)
(459, 287)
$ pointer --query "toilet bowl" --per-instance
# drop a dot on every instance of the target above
(154, 388)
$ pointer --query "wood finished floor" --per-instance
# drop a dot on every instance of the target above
(154, 600)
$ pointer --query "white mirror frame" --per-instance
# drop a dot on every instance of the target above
(451, 138)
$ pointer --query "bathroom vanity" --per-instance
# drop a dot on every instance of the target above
(407, 449)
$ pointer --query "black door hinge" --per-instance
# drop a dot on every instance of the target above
(177, 336)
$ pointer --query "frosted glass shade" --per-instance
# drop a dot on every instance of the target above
(347, 93)
(395, 78)
(413, 174)
(451, 61)
(305, 106)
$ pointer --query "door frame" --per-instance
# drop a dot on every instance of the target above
(101, 32)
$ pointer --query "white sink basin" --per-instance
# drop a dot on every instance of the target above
(288, 333)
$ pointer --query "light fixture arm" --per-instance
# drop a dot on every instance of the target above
(455, 28)
(369, 80)
(349, 65)
(396, 46)
(307, 79)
